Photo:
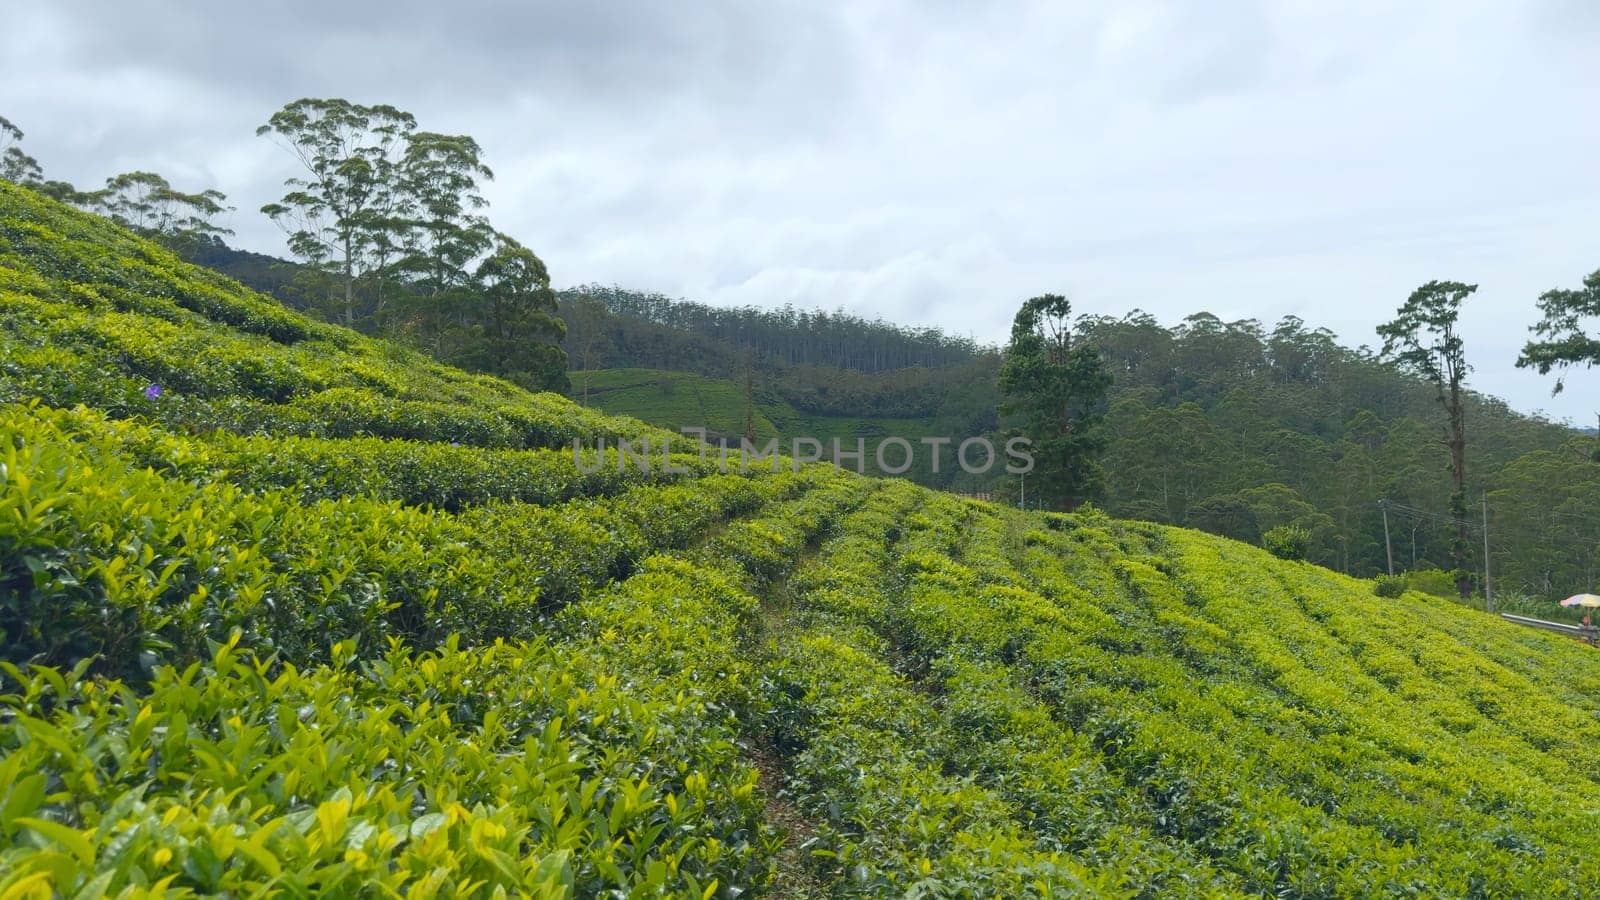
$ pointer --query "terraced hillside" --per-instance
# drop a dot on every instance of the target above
(672, 399)
(287, 610)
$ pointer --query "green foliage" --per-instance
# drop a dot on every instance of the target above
(343, 218)
(543, 767)
(1564, 342)
(391, 213)
(439, 181)
(291, 656)
(1431, 581)
(16, 166)
(1423, 336)
(146, 203)
(1390, 586)
(519, 335)
(1056, 383)
(1425, 339)
(295, 572)
(644, 330)
(1289, 542)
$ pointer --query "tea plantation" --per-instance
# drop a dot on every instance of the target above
(287, 610)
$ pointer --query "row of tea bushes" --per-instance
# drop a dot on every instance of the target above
(1116, 692)
(188, 378)
(868, 752)
(1410, 738)
(440, 774)
(90, 314)
(57, 253)
(967, 617)
(1114, 703)
(881, 608)
(414, 473)
(1246, 721)
(102, 557)
(603, 762)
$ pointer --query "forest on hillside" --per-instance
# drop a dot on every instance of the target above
(292, 611)
(387, 226)
(1232, 427)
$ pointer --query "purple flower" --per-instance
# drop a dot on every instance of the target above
(152, 392)
(455, 443)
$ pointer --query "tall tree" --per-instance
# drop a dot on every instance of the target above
(1056, 383)
(343, 216)
(587, 321)
(439, 177)
(1425, 338)
(16, 166)
(1565, 340)
(520, 333)
(145, 202)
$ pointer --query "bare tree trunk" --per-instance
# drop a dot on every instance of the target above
(1458, 500)
(349, 287)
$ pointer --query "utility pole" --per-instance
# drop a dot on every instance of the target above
(1388, 548)
(1488, 586)
(1024, 498)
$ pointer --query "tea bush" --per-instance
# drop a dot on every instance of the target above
(603, 760)
(1289, 542)
(102, 557)
(287, 610)
(1431, 581)
(1389, 586)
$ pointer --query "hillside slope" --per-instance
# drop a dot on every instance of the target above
(319, 617)
(1230, 427)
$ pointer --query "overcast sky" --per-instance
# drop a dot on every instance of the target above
(932, 162)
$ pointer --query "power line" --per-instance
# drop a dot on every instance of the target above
(1588, 520)
(1566, 541)
(1425, 514)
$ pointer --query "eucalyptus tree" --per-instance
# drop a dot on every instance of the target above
(1056, 383)
(520, 334)
(1568, 335)
(16, 166)
(1425, 338)
(146, 202)
(346, 214)
(444, 232)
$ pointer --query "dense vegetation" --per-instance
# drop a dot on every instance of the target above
(787, 336)
(1055, 383)
(1229, 427)
(386, 223)
(826, 364)
(1221, 426)
(289, 610)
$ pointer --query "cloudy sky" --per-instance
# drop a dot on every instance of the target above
(932, 162)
